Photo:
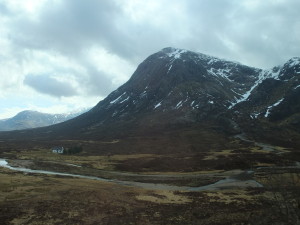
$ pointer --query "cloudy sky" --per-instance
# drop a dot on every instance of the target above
(61, 55)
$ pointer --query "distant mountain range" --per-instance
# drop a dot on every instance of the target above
(33, 119)
(193, 100)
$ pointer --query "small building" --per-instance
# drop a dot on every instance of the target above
(59, 150)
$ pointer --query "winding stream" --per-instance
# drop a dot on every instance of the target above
(224, 183)
(263, 146)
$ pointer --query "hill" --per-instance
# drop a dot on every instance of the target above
(179, 100)
(32, 119)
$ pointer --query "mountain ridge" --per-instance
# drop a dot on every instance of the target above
(29, 119)
(178, 89)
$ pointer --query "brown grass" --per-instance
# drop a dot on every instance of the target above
(164, 197)
(43, 199)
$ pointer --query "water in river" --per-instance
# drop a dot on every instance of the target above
(225, 183)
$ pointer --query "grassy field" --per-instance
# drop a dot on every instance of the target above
(43, 199)
(106, 162)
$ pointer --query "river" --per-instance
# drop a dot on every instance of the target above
(263, 146)
(224, 183)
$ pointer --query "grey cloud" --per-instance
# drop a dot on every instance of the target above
(71, 26)
(265, 35)
(3, 9)
(47, 85)
(268, 32)
(74, 25)
(96, 83)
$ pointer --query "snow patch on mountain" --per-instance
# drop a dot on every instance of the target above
(271, 106)
(176, 53)
(179, 104)
(170, 68)
(293, 62)
(220, 73)
(208, 59)
(264, 74)
(211, 61)
(296, 87)
(246, 95)
(143, 94)
(157, 105)
(117, 99)
(273, 73)
(254, 115)
(125, 100)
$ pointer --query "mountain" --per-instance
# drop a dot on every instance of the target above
(272, 107)
(32, 119)
(179, 99)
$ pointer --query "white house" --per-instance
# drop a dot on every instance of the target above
(59, 150)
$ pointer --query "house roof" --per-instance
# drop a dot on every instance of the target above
(58, 147)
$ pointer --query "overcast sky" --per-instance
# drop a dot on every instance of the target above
(60, 55)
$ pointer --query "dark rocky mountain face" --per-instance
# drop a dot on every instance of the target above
(171, 82)
(178, 90)
(272, 109)
(273, 89)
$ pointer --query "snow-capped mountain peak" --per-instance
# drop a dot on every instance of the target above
(32, 119)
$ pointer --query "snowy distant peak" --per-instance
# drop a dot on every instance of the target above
(214, 62)
(32, 119)
(78, 111)
(174, 52)
(292, 66)
(215, 66)
(208, 59)
(71, 114)
(27, 114)
(295, 61)
(272, 73)
(285, 72)
(177, 53)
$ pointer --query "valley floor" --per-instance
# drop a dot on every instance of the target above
(30, 198)
(45, 199)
